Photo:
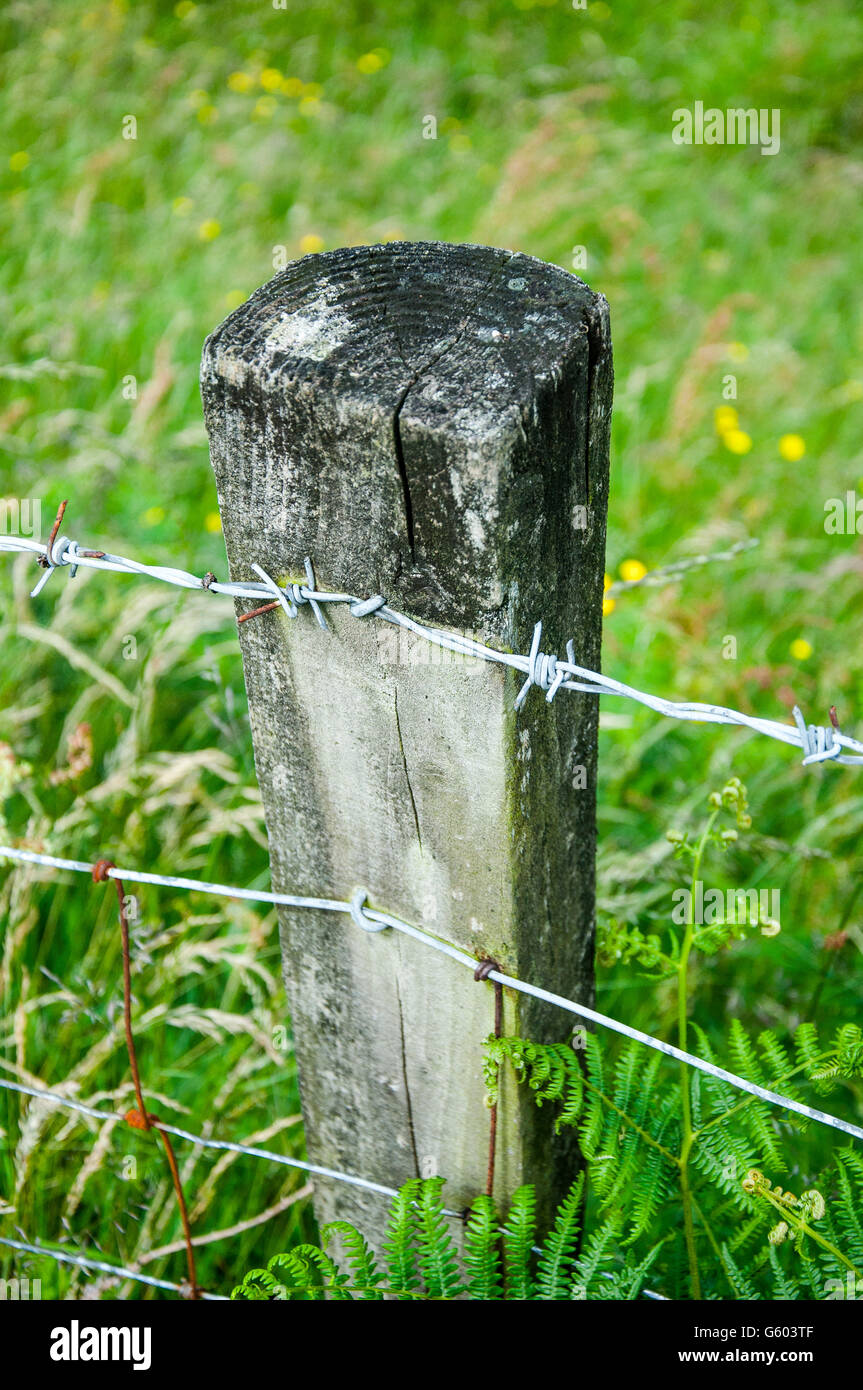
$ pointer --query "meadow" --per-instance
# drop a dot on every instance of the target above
(159, 160)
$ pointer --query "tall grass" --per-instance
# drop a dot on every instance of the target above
(264, 133)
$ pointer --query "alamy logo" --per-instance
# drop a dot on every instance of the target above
(20, 1289)
(732, 127)
(20, 516)
(76, 1343)
(844, 515)
(752, 907)
(850, 1291)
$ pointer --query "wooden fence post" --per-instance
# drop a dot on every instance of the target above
(429, 422)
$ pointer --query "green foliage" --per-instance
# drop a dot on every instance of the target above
(399, 1246)
(482, 1250)
(558, 1254)
(629, 1123)
(626, 944)
(119, 224)
(674, 1158)
(423, 1263)
(435, 1249)
(519, 1235)
(366, 1278)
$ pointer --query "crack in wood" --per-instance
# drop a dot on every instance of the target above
(407, 774)
(426, 367)
(408, 1108)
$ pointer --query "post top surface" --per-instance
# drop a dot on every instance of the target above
(371, 320)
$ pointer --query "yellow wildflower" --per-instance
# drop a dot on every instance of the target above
(737, 441)
(792, 447)
(368, 63)
(725, 418)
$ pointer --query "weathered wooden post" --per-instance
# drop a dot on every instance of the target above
(428, 422)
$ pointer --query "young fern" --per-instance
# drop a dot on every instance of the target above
(554, 1266)
(628, 1121)
(482, 1251)
(399, 1247)
(422, 1260)
(519, 1237)
(367, 1278)
(309, 1273)
(436, 1252)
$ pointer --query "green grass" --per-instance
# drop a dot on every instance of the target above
(121, 255)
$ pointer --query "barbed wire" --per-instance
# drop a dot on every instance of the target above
(818, 743)
(105, 1267)
(371, 920)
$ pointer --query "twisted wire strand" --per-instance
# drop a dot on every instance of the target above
(371, 920)
(818, 743)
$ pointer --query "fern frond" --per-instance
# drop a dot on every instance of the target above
(435, 1249)
(597, 1252)
(653, 1186)
(309, 1272)
(846, 1210)
(849, 1049)
(258, 1286)
(553, 1280)
(519, 1235)
(399, 1248)
(593, 1123)
(360, 1259)
(482, 1252)
(809, 1052)
(740, 1280)
(632, 1279)
(786, 1283)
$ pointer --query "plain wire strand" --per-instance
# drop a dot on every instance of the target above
(819, 743)
(366, 916)
(349, 1178)
(198, 1139)
(88, 1262)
